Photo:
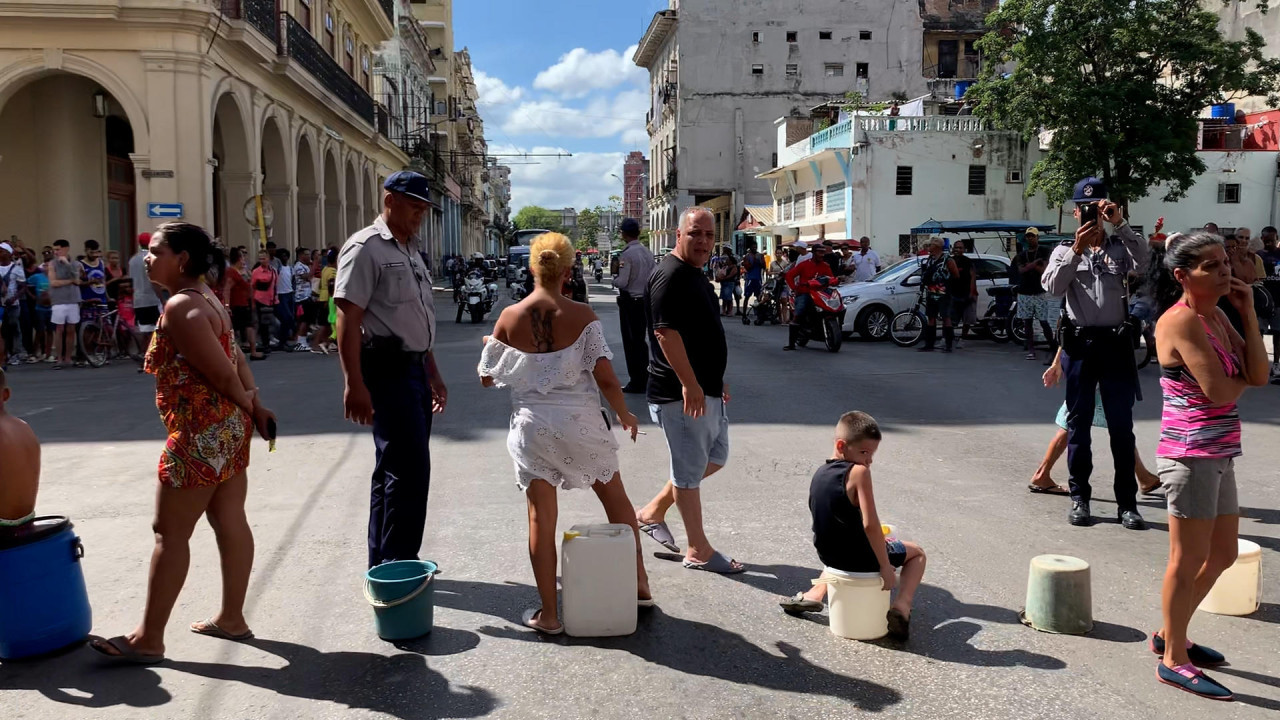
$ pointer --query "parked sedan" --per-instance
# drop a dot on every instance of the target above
(870, 306)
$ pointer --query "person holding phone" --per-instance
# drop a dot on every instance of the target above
(1090, 272)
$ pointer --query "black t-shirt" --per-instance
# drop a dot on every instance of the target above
(679, 297)
(838, 535)
(959, 286)
(1029, 282)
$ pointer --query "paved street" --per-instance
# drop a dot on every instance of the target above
(963, 433)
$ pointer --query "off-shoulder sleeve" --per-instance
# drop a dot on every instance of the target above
(594, 346)
(497, 362)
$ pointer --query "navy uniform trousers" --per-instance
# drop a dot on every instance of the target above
(401, 394)
(1100, 360)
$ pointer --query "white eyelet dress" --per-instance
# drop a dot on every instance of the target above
(558, 433)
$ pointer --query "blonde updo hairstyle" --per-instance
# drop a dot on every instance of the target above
(550, 257)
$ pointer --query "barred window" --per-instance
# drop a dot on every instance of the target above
(904, 180)
(835, 198)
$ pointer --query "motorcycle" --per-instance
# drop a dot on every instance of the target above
(519, 286)
(765, 309)
(475, 296)
(827, 319)
(599, 275)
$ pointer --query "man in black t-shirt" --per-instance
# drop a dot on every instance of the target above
(963, 290)
(687, 392)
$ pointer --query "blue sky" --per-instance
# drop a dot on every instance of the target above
(557, 75)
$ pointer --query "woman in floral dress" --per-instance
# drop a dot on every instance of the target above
(550, 351)
(209, 404)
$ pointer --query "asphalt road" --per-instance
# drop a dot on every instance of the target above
(963, 433)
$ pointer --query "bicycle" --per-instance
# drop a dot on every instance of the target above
(907, 327)
(104, 337)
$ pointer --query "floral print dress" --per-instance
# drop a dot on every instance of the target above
(558, 432)
(208, 433)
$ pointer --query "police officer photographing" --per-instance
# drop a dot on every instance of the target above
(386, 328)
(1097, 345)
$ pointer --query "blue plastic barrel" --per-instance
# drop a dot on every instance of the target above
(44, 605)
(1225, 110)
(402, 597)
(962, 87)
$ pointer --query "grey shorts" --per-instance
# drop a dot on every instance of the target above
(1199, 488)
(693, 442)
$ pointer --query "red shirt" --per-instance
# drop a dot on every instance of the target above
(239, 289)
(803, 277)
(263, 281)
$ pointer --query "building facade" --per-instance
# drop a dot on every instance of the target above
(122, 116)
(635, 175)
(722, 73)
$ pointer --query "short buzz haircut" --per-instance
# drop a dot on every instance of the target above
(91, 245)
(61, 243)
(856, 426)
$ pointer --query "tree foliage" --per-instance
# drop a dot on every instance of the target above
(588, 227)
(1119, 84)
(532, 217)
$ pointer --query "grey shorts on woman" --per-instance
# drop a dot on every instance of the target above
(1199, 488)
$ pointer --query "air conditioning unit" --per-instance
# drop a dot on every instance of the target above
(1014, 177)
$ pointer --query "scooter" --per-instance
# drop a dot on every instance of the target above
(519, 287)
(476, 297)
(599, 275)
(826, 322)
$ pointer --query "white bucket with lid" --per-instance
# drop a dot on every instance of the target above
(598, 580)
(858, 604)
(1239, 588)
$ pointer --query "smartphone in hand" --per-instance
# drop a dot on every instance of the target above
(1089, 213)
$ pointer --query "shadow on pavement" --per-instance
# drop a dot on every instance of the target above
(683, 645)
(78, 677)
(401, 685)
(1267, 613)
(1265, 703)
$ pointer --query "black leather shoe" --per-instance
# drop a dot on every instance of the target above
(1080, 514)
(1132, 520)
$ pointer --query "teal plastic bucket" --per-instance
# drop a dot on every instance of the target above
(402, 597)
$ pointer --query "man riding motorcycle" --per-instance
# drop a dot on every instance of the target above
(803, 278)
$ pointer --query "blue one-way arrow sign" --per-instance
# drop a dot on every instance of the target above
(164, 210)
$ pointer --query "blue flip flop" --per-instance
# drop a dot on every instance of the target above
(719, 563)
(661, 534)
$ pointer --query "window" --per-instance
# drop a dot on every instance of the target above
(328, 32)
(757, 69)
(793, 69)
(304, 14)
(824, 34)
(364, 68)
(774, 162)
(861, 70)
(969, 49)
(977, 179)
(1229, 193)
(835, 198)
(833, 69)
(817, 202)
(755, 37)
(987, 269)
(904, 180)
(349, 47)
(791, 36)
(777, 209)
(864, 34)
(802, 206)
(905, 245)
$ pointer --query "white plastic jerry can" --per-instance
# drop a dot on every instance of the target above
(598, 580)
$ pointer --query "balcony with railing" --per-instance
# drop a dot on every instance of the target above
(298, 45)
(260, 14)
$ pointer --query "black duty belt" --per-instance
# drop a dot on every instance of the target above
(392, 345)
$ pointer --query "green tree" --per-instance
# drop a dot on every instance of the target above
(532, 217)
(588, 226)
(1120, 85)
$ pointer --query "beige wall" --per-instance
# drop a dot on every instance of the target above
(53, 164)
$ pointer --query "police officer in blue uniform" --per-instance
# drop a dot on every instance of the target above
(1090, 271)
(386, 329)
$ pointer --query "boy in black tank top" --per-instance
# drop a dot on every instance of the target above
(846, 528)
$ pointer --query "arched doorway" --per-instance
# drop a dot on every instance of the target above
(65, 170)
(309, 235)
(355, 213)
(232, 176)
(276, 183)
(371, 206)
(334, 232)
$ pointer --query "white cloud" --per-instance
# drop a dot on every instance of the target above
(579, 72)
(621, 115)
(493, 91)
(581, 181)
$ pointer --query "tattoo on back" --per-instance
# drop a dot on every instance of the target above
(540, 324)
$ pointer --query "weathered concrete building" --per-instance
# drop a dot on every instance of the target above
(721, 74)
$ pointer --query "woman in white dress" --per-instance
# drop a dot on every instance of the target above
(550, 351)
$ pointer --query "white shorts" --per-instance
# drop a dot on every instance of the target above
(66, 314)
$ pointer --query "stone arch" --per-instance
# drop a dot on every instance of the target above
(352, 197)
(278, 181)
(235, 176)
(334, 228)
(308, 184)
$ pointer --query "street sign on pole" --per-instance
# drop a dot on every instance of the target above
(164, 210)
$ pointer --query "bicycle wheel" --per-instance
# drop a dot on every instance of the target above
(907, 328)
(94, 343)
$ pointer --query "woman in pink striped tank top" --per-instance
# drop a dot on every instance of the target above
(1206, 365)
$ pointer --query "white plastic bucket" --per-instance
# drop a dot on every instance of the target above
(858, 605)
(1239, 589)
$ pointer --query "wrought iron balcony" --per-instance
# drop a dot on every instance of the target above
(261, 14)
(299, 45)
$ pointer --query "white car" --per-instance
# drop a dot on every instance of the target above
(870, 306)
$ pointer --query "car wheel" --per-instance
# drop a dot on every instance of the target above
(873, 322)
